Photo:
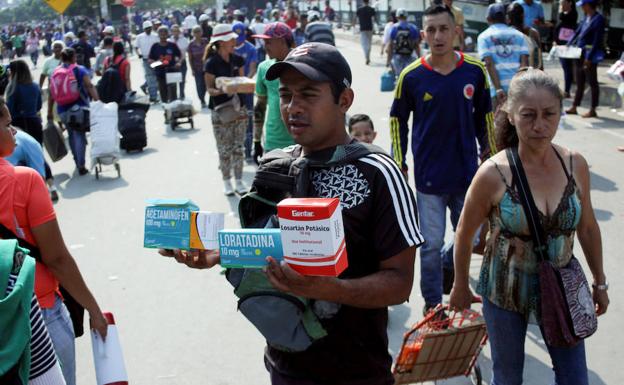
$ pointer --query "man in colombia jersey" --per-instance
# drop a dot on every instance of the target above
(448, 95)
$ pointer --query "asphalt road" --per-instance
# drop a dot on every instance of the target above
(180, 326)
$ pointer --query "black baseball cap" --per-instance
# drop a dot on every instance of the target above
(316, 61)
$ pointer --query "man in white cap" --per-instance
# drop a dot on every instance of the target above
(144, 43)
(205, 26)
(69, 39)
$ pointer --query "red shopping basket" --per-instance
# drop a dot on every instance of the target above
(441, 346)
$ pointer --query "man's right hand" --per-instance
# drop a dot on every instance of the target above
(258, 151)
(195, 259)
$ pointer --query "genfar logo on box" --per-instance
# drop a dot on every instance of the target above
(297, 213)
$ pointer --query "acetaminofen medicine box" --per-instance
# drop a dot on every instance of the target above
(167, 223)
(313, 235)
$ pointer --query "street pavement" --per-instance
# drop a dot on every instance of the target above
(180, 326)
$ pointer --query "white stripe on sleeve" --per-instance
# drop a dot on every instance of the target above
(403, 206)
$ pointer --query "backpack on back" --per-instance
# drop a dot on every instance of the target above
(64, 85)
(111, 87)
(288, 323)
(403, 42)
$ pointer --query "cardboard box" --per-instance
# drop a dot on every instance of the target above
(168, 223)
(205, 227)
(313, 235)
(236, 85)
(248, 248)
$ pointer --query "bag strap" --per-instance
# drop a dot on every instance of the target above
(528, 204)
(6, 233)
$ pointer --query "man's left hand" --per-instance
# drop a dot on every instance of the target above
(287, 280)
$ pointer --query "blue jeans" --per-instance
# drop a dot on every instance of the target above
(200, 85)
(61, 332)
(78, 146)
(248, 100)
(433, 255)
(507, 332)
(399, 62)
(366, 39)
(150, 80)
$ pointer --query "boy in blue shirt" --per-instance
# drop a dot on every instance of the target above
(449, 96)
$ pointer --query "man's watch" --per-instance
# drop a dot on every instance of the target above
(604, 286)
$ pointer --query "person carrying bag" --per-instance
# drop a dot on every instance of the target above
(229, 116)
(568, 312)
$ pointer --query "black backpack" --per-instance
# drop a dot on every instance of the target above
(288, 323)
(403, 42)
(111, 87)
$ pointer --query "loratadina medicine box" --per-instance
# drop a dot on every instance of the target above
(249, 248)
(312, 234)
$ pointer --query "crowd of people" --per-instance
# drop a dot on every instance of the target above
(501, 100)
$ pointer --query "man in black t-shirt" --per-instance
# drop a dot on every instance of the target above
(169, 57)
(366, 16)
(379, 213)
(84, 51)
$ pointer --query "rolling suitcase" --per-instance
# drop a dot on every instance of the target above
(132, 129)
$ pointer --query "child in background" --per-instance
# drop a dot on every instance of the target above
(362, 129)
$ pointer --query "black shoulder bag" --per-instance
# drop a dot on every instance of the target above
(567, 309)
(76, 310)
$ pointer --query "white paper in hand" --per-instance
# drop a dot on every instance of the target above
(108, 358)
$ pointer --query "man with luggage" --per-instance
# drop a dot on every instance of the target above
(444, 145)
(182, 42)
(404, 43)
(72, 113)
(381, 233)
(278, 41)
(167, 57)
(144, 42)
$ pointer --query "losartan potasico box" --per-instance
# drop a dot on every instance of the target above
(248, 248)
(313, 235)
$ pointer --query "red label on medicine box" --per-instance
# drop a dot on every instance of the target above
(312, 235)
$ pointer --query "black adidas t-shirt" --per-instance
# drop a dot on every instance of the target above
(380, 219)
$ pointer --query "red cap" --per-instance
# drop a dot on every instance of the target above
(109, 318)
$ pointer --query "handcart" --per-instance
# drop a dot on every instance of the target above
(444, 344)
(178, 111)
(104, 137)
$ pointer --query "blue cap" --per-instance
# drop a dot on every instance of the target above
(583, 2)
(496, 11)
(239, 28)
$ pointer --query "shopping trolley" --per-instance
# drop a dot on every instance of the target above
(444, 344)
